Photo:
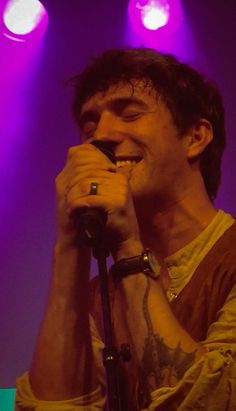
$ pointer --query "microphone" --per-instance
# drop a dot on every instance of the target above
(90, 222)
(106, 147)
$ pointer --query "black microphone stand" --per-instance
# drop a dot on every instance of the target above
(91, 223)
(110, 353)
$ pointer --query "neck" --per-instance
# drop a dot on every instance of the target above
(168, 229)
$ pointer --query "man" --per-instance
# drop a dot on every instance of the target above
(166, 125)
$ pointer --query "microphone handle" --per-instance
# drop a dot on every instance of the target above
(106, 147)
(90, 222)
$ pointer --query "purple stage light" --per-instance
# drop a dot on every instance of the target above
(155, 15)
(22, 18)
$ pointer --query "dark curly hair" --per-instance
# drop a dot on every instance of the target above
(187, 94)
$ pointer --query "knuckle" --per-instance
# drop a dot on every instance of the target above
(72, 150)
(60, 181)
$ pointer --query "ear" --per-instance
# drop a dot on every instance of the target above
(198, 137)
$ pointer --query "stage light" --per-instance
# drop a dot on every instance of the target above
(24, 17)
(155, 15)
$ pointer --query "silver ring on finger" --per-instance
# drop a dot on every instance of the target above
(93, 188)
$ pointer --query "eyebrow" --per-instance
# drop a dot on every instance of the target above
(123, 101)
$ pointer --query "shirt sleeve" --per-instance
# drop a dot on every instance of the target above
(210, 384)
(94, 401)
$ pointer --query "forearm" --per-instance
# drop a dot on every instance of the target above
(157, 316)
(62, 362)
(162, 348)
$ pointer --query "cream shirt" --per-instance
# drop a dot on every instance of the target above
(210, 384)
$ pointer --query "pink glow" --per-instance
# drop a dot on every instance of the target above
(149, 17)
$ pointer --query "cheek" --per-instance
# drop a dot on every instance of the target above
(165, 163)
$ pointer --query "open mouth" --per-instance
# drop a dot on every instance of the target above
(127, 161)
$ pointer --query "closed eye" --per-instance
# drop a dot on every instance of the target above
(130, 115)
(129, 108)
(88, 123)
(88, 129)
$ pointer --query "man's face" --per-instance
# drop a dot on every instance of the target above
(148, 147)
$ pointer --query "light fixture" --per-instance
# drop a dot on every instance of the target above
(155, 15)
(23, 18)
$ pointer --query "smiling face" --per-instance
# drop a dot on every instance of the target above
(148, 147)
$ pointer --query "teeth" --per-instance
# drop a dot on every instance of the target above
(122, 163)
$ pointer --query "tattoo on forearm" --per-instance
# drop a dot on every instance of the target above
(161, 365)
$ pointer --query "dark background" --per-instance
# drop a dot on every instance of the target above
(37, 128)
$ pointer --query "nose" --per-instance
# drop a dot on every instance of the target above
(107, 128)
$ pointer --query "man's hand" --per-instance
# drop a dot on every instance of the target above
(86, 164)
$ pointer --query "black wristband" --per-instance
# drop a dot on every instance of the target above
(144, 263)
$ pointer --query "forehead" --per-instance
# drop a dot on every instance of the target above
(138, 90)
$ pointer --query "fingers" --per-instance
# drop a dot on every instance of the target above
(84, 161)
(111, 191)
(87, 155)
(82, 181)
(85, 164)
